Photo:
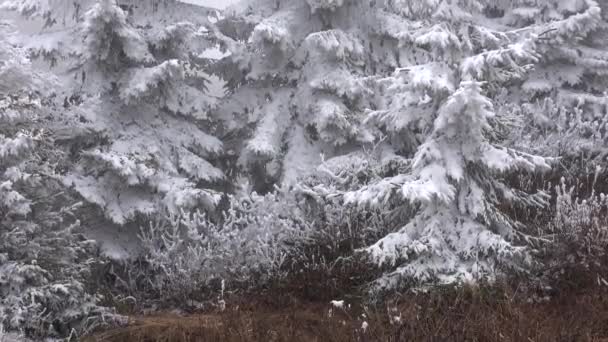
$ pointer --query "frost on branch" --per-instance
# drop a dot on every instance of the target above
(108, 36)
(151, 82)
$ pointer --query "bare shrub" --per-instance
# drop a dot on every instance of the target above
(577, 237)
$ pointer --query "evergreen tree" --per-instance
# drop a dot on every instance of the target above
(43, 256)
(298, 86)
(565, 96)
(429, 105)
(134, 110)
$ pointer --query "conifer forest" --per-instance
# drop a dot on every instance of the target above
(303, 170)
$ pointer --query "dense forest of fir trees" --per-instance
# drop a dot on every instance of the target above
(432, 142)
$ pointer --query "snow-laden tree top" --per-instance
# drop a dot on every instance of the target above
(133, 100)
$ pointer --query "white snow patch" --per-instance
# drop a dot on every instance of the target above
(339, 304)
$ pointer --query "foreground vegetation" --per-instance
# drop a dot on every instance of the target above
(563, 297)
(487, 313)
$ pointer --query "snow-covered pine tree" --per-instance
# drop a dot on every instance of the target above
(450, 63)
(460, 231)
(16, 138)
(44, 260)
(135, 110)
(298, 85)
(567, 105)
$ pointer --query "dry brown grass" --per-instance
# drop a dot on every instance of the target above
(470, 314)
